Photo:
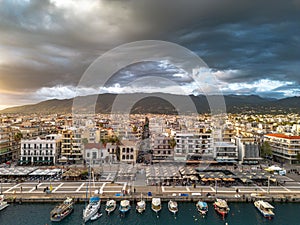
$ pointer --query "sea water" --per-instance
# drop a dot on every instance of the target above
(240, 214)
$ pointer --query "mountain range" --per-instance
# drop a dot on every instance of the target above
(162, 104)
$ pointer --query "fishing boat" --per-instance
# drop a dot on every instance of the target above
(221, 207)
(173, 206)
(202, 207)
(156, 204)
(96, 216)
(141, 205)
(124, 206)
(110, 206)
(62, 210)
(92, 208)
(3, 204)
(265, 208)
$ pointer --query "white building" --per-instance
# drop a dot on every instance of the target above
(95, 153)
(225, 152)
(248, 150)
(284, 148)
(40, 151)
(189, 144)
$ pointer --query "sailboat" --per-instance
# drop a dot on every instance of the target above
(141, 205)
(94, 204)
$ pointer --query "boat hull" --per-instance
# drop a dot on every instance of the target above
(3, 206)
(202, 208)
(223, 213)
(141, 206)
(90, 211)
(266, 215)
(173, 209)
(111, 207)
(60, 218)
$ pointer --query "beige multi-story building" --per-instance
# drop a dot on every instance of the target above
(71, 147)
(5, 144)
(40, 151)
(128, 151)
(284, 148)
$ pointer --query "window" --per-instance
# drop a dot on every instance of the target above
(94, 155)
(88, 155)
(131, 157)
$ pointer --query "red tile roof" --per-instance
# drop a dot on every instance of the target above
(283, 136)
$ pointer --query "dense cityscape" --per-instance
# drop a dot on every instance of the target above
(57, 140)
(144, 112)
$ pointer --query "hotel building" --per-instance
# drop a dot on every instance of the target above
(284, 148)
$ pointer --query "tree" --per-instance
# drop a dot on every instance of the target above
(172, 142)
(18, 136)
(298, 157)
(265, 149)
(84, 141)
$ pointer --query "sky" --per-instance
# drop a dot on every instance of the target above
(250, 47)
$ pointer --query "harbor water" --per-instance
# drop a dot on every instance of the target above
(240, 214)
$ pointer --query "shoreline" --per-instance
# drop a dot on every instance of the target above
(54, 198)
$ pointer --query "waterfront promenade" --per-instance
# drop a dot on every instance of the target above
(117, 180)
(33, 191)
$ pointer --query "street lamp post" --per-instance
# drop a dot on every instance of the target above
(268, 185)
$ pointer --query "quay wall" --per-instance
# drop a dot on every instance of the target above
(81, 199)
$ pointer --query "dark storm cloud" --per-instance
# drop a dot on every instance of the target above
(50, 43)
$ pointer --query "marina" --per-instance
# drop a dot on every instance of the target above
(240, 213)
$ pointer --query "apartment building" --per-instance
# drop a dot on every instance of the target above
(42, 151)
(5, 144)
(71, 147)
(195, 145)
(225, 152)
(162, 149)
(284, 148)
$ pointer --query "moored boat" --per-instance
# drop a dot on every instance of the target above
(141, 205)
(221, 207)
(173, 206)
(3, 204)
(265, 208)
(124, 206)
(62, 210)
(202, 207)
(110, 206)
(156, 204)
(92, 208)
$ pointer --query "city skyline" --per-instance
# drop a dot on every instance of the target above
(45, 46)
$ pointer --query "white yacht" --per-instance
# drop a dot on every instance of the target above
(110, 206)
(92, 208)
(3, 204)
